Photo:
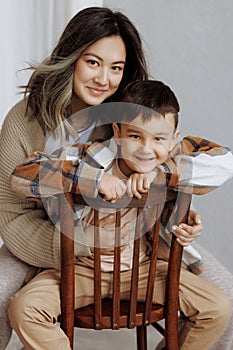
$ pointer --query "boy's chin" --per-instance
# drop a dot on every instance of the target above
(146, 170)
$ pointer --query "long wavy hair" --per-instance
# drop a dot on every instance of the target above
(49, 89)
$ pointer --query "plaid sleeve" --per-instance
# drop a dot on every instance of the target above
(202, 165)
(196, 165)
(43, 176)
(98, 158)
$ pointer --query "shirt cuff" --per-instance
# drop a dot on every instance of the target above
(89, 179)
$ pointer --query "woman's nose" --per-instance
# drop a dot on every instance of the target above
(102, 77)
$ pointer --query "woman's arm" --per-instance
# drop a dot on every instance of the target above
(23, 224)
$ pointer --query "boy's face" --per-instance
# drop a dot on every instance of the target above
(145, 145)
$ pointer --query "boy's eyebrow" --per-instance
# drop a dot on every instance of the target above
(140, 130)
(101, 59)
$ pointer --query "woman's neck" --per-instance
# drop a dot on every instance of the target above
(77, 104)
(76, 113)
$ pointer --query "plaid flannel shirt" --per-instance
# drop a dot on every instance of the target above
(195, 164)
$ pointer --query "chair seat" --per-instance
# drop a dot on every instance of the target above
(85, 316)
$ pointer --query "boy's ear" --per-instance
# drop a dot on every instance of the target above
(117, 133)
(175, 137)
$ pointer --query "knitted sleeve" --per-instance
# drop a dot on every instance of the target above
(25, 229)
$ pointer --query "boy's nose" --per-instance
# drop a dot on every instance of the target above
(147, 146)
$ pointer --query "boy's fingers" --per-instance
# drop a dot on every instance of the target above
(194, 218)
(138, 186)
(141, 184)
(188, 232)
(135, 190)
(184, 244)
(197, 219)
(192, 230)
(146, 184)
(129, 189)
(121, 189)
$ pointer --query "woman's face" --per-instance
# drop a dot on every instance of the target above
(98, 72)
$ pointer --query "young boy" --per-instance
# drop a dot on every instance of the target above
(145, 138)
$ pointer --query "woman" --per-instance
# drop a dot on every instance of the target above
(23, 129)
(98, 54)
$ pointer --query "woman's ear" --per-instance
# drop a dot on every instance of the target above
(117, 133)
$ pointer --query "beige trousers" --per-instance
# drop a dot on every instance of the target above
(34, 309)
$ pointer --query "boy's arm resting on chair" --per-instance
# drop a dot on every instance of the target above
(194, 162)
(202, 165)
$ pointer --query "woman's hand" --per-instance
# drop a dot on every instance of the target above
(111, 187)
(186, 233)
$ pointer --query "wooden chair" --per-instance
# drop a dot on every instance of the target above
(115, 313)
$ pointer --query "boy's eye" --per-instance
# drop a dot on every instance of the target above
(134, 136)
(159, 138)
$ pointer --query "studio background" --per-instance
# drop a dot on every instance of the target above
(188, 46)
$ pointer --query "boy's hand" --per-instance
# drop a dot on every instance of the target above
(111, 187)
(139, 183)
(186, 233)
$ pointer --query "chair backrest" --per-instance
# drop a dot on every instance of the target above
(137, 314)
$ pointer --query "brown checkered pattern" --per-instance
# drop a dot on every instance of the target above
(43, 175)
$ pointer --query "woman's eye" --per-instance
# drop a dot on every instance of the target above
(117, 68)
(92, 62)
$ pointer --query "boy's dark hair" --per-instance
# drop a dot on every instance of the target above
(145, 97)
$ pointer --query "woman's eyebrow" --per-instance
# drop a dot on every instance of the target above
(101, 59)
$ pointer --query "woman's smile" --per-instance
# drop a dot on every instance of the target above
(96, 91)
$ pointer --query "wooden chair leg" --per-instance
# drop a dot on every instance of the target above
(141, 338)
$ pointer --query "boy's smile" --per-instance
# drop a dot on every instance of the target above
(145, 144)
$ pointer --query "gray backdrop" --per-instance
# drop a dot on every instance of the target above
(189, 46)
